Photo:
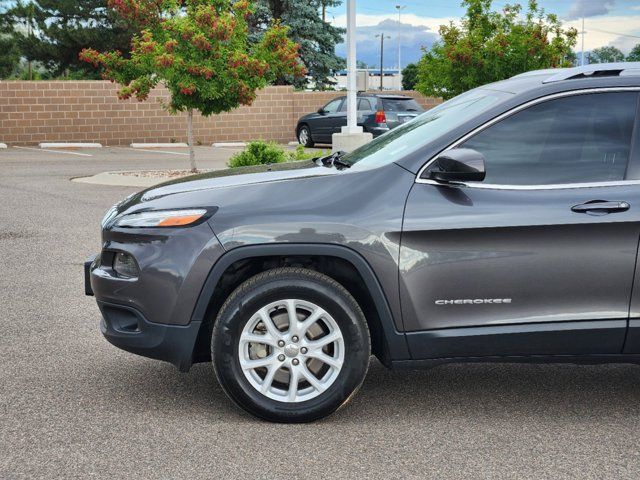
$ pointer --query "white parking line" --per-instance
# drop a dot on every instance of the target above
(63, 152)
(156, 151)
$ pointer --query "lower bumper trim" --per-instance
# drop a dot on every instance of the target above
(127, 329)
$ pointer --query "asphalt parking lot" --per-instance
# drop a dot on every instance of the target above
(73, 406)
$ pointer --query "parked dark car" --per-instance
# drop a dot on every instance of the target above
(377, 114)
(502, 225)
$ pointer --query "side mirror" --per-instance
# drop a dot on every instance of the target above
(458, 165)
(321, 111)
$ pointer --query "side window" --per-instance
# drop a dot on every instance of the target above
(333, 106)
(364, 105)
(577, 139)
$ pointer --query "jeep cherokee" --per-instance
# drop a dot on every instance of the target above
(502, 225)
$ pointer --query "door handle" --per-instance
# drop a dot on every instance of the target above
(601, 207)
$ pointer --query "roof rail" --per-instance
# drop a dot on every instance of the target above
(619, 69)
(533, 73)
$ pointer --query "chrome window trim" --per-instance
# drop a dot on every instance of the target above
(511, 112)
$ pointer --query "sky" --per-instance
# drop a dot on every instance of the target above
(607, 22)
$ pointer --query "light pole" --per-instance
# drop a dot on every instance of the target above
(382, 37)
(400, 8)
(582, 54)
(352, 135)
(352, 85)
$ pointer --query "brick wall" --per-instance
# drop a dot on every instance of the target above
(89, 111)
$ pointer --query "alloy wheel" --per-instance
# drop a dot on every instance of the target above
(291, 350)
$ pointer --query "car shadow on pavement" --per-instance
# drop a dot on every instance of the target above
(466, 391)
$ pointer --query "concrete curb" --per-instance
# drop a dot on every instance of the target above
(69, 145)
(229, 144)
(159, 145)
(116, 179)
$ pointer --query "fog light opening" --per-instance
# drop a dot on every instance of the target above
(125, 265)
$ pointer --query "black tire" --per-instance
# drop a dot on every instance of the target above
(276, 285)
(301, 137)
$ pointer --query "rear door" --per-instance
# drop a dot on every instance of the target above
(399, 110)
(540, 257)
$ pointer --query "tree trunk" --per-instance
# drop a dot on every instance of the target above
(192, 152)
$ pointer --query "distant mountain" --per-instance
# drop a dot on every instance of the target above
(368, 46)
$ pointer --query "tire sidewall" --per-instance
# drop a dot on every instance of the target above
(232, 320)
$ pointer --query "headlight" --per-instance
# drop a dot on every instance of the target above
(161, 218)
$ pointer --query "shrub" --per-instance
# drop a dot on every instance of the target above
(258, 153)
(302, 153)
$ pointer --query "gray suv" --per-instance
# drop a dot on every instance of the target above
(377, 114)
(502, 225)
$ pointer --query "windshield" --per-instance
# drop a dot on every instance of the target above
(425, 128)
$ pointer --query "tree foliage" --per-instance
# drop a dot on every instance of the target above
(606, 55)
(634, 55)
(488, 46)
(410, 76)
(9, 55)
(316, 37)
(199, 49)
(53, 32)
(9, 52)
(201, 54)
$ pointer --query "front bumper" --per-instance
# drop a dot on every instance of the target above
(126, 328)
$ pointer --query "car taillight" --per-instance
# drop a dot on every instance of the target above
(381, 117)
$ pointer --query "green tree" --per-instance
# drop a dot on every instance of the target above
(606, 55)
(410, 76)
(634, 55)
(9, 52)
(53, 32)
(488, 46)
(9, 55)
(317, 38)
(199, 49)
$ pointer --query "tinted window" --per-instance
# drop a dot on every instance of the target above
(396, 105)
(578, 139)
(426, 128)
(365, 104)
(333, 106)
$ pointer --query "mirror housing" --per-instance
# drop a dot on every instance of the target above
(321, 111)
(458, 165)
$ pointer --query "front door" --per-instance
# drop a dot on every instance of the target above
(540, 257)
(324, 125)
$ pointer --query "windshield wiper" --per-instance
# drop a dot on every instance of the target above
(334, 160)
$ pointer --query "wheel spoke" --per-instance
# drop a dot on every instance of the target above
(268, 379)
(311, 378)
(257, 363)
(265, 339)
(324, 358)
(293, 317)
(268, 323)
(293, 384)
(326, 340)
(317, 314)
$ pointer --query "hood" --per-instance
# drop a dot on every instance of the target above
(232, 177)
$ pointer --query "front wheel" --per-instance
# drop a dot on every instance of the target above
(304, 136)
(290, 345)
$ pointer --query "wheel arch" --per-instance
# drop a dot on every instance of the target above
(388, 343)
